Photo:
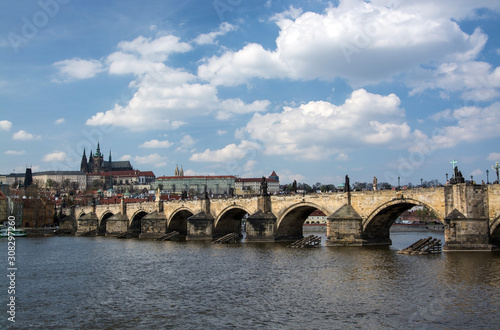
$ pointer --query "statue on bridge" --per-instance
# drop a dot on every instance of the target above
(347, 185)
(294, 186)
(457, 176)
(263, 187)
(205, 192)
(375, 183)
(184, 195)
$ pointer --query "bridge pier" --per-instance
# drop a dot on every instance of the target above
(261, 226)
(467, 222)
(116, 224)
(153, 225)
(87, 223)
(200, 227)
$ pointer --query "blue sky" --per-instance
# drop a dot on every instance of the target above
(313, 90)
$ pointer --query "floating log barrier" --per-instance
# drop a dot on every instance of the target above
(172, 236)
(307, 242)
(226, 239)
(427, 245)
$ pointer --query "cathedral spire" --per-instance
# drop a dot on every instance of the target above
(109, 157)
(181, 172)
(176, 173)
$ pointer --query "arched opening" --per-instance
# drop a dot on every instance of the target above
(290, 226)
(230, 222)
(101, 229)
(135, 225)
(495, 234)
(178, 223)
(377, 229)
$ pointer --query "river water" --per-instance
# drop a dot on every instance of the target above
(94, 283)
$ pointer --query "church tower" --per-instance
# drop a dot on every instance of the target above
(83, 165)
(181, 173)
(97, 160)
(176, 173)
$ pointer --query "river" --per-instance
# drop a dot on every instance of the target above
(94, 283)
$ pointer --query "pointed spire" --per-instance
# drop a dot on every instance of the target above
(109, 157)
(85, 156)
(98, 151)
(176, 173)
(182, 172)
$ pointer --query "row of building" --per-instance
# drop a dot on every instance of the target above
(95, 174)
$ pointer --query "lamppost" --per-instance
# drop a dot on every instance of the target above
(399, 180)
(471, 179)
(421, 182)
(487, 177)
(446, 177)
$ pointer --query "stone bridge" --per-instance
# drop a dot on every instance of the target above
(470, 213)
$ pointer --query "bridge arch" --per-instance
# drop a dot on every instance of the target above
(495, 231)
(101, 228)
(178, 221)
(135, 222)
(379, 222)
(229, 220)
(290, 222)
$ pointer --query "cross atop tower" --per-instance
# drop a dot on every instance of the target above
(453, 163)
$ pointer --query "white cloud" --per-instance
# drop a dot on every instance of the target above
(476, 81)
(153, 159)
(14, 152)
(185, 143)
(56, 156)
(318, 129)
(477, 172)
(226, 154)
(221, 132)
(125, 157)
(209, 38)
(5, 125)
(59, 121)
(155, 49)
(472, 124)
(358, 41)
(77, 68)
(165, 97)
(494, 156)
(24, 136)
(156, 144)
(236, 106)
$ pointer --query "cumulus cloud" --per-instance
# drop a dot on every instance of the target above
(15, 152)
(56, 156)
(152, 159)
(209, 38)
(185, 143)
(476, 81)
(358, 41)
(318, 129)
(470, 124)
(226, 154)
(77, 68)
(156, 144)
(59, 121)
(24, 136)
(5, 125)
(165, 97)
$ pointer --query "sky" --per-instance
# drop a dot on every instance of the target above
(314, 90)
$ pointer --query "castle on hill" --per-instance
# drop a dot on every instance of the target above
(97, 164)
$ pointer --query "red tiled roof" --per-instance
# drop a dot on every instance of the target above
(274, 174)
(317, 213)
(146, 173)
